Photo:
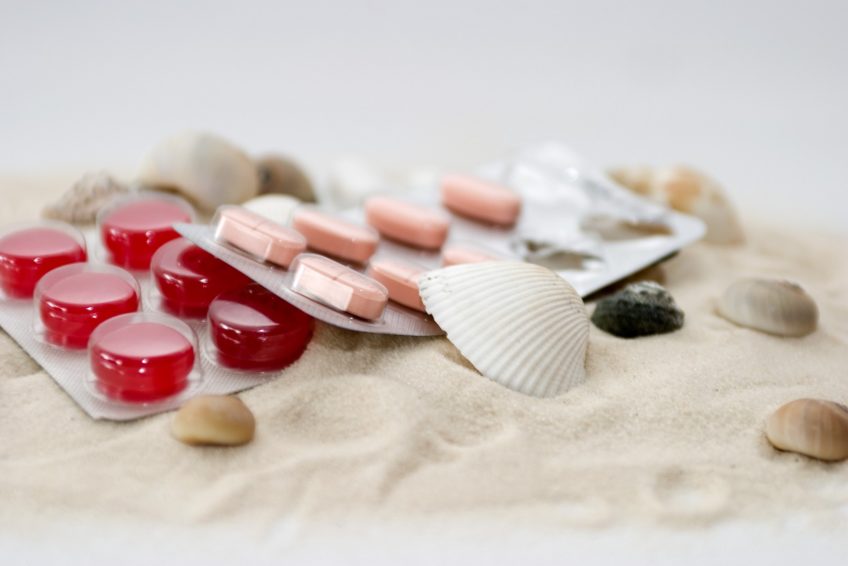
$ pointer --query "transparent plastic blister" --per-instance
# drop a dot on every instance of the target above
(102, 396)
(30, 250)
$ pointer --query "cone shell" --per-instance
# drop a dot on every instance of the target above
(519, 324)
(686, 190)
(774, 306)
(204, 168)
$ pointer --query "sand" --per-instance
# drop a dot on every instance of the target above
(667, 430)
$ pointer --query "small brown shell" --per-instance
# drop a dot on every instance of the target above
(281, 175)
(221, 420)
(811, 427)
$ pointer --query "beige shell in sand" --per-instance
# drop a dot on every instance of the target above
(770, 305)
(686, 190)
(81, 203)
(519, 324)
(221, 420)
(811, 427)
(206, 169)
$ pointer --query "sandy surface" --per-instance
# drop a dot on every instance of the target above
(666, 429)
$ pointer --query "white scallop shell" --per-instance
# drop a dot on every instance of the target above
(770, 305)
(519, 324)
(205, 168)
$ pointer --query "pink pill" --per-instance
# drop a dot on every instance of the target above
(133, 230)
(408, 223)
(339, 287)
(459, 254)
(27, 254)
(139, 360)
(401, 281)
(258, 236)
(75, 299)
(334, 236)
(480, 200)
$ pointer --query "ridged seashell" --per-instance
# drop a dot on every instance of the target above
(81, 203)
(281, 175)
(640, 309)
(686, 190)
(204, 168)
(811, 427)
(519, 324)
(770, 305)
(275, 207)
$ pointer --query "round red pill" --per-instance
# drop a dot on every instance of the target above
(133, 230)
(189, 278)
(26, 254)
(253, 329)
(73, 300)
(137, 359)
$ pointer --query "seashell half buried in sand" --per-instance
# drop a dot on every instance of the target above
(811, 427)
(519, 324)
(686, 190)
(206, 169)
(81, 203)
(770, 305)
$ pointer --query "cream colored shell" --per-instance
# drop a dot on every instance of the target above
(81, 203)
(770, 305)
(221, 420)
(519, 324)
(206, 169)
(686, 190)
(811, 427)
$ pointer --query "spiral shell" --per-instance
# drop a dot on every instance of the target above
(770, 305)
(519, 324)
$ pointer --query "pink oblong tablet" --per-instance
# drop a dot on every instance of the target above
(340, 287)
(400, 279)
(408, 223)
(258, 236)
(334, 236)
(458, 254)
(480, 199)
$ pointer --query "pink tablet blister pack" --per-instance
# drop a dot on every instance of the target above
(131, 319)
(358, 269)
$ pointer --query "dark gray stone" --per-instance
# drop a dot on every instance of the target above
(640, 309)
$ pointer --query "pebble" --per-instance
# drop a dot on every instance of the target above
(220, 420)
(811, 427)
(640, 309)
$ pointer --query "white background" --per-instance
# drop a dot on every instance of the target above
(754, 92)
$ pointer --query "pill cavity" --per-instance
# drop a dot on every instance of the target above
(73, 300)
(480, 199)
(136, 359)
(400, 279)
(189, 278)
(27, 254)
(258, 236)
(253, 329)
(331, 235)
(408, 223)
(339, 287)
(133, 230)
